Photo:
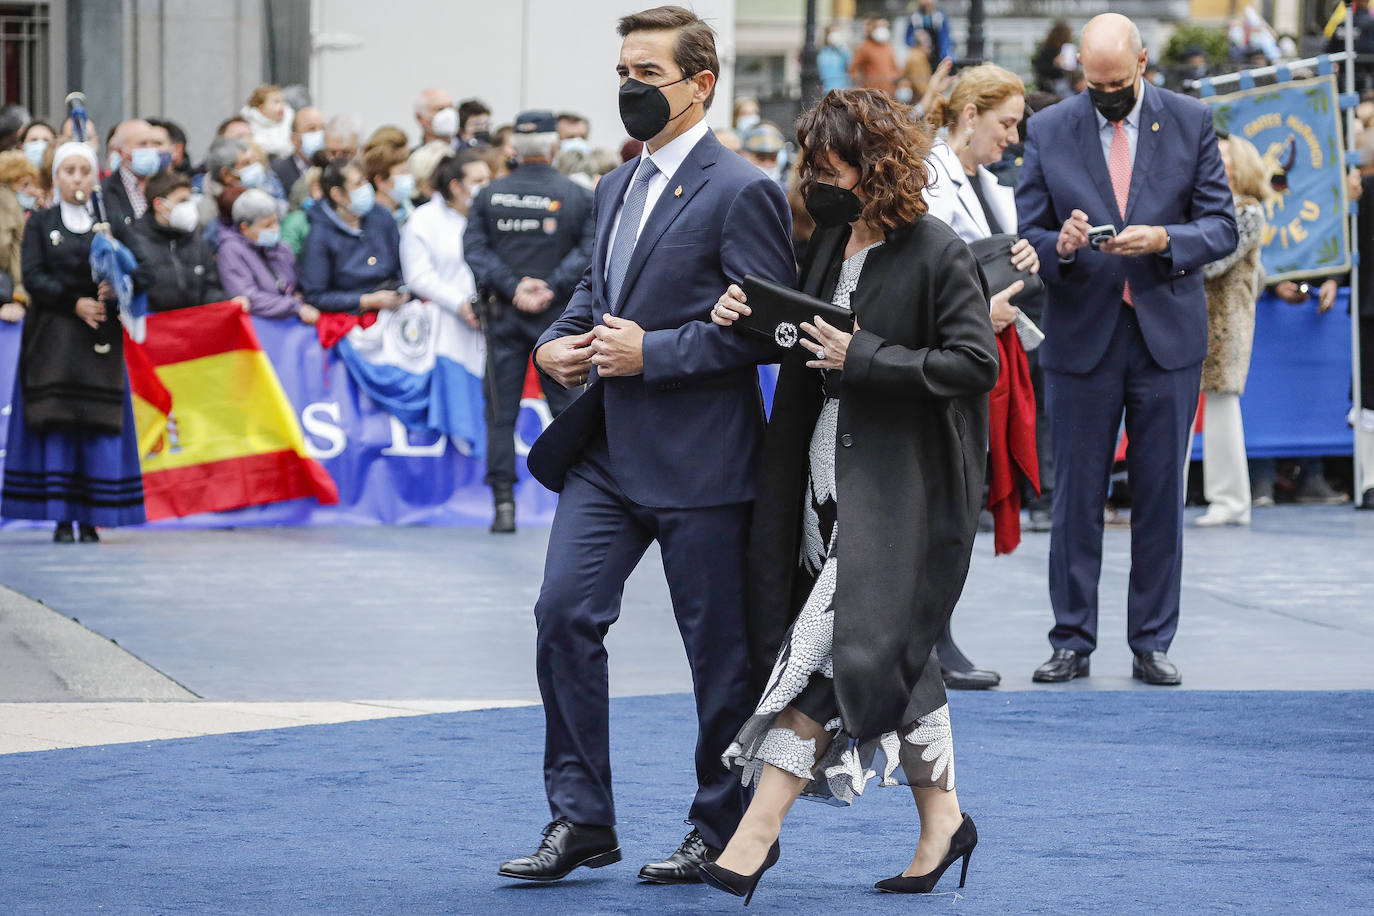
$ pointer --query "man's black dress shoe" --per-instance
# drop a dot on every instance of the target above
(1040, 518)
(1155, 668)
(1367, 501)
(62, 534)
(1064, 665)
(971, 679)
(503, 519)
(684, 865)
(565, 846)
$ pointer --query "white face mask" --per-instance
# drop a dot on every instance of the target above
(747, 122)
(882, 34)
(445, 122)
(184, 217)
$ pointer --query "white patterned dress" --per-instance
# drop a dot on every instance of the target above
(921, 754)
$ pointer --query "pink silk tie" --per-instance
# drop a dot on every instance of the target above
(1119, 165)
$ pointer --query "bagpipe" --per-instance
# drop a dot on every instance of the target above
(111, 262)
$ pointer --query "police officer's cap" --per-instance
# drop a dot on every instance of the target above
(536, 122)
(764, 139)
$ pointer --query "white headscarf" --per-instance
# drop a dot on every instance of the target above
(76, 217)
(73, 148)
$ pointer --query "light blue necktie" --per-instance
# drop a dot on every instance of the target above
(623, 248)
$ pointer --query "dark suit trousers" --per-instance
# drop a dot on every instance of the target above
(597, 539)
(511, 336)
(1085, 418)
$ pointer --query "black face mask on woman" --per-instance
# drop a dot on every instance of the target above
(831, 205)
(1114, 105)
(644, 109)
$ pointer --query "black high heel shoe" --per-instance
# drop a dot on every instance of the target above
(960, 846)
(733, 882)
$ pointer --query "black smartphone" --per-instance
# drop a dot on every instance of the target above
(1099, 234)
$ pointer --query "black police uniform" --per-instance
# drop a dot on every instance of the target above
(538, 223)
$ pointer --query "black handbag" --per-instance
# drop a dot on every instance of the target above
(994, 257)
(778, 312)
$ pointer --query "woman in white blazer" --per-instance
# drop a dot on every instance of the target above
(975, 124)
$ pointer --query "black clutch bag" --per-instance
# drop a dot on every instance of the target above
(994, 257)
(778, 312)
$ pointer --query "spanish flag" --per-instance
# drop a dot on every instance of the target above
(229, 437)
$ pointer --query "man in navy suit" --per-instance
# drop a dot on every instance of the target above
(1126, 328)
(661, 446)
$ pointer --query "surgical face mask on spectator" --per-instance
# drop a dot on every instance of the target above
(881, 34)
(402, 188)
(253, 175)
(311, 143)
(145, 161)
(26, 200)
(361, 199)
(268, 238)
(34, 150)
(114, 161)
(183, 217)
(575, 145)
(905, 94)
(445, 122)
(747, 122)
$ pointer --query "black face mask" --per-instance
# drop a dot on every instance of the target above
(1114, 105)
(831, 205)
(482, 136)
(644, 109)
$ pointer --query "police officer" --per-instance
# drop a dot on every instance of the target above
(528, 241)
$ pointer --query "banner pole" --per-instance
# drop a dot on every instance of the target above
(1353, 218)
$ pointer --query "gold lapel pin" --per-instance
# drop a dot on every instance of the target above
(677, 192)
(1155, 127)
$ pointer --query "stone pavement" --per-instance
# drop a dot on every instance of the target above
(328, 618)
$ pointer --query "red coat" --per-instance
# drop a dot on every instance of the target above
(1011, 441)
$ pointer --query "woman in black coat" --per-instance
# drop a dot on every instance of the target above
(875, 450)
(72, 454)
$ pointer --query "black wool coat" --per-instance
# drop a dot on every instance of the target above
(911, 450)
(71, 374)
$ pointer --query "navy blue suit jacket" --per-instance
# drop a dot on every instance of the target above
(1177, 182)
(686, 433)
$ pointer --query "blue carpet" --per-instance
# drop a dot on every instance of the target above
(1131, 802)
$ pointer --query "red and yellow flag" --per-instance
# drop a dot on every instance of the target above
(226, 436)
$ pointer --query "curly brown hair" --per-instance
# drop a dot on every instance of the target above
(881, 138)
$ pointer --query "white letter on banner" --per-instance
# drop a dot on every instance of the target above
(316, 420)
(401, 445)
(541, 410)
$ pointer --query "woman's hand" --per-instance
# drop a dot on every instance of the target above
(1003, 312)
(105, 292)
(242, 301)
(1326, 297)
(381, 299)
(1024, 256)
(308, 314)
(12, 312)
(469, 316)
(832, 346)
(91, 311)
(730, 307)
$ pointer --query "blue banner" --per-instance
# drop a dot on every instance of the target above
(1295, 404)
(1296, 127)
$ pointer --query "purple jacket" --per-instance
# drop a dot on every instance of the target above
(267, 278)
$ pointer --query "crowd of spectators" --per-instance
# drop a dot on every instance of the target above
(295, 212)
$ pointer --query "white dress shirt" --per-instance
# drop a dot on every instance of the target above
(432, 260)
(668, 160)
